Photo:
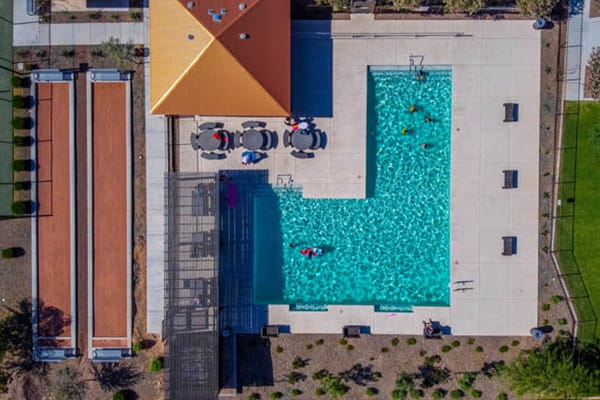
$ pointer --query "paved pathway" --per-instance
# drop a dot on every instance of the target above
(583, 33)
(29, 32)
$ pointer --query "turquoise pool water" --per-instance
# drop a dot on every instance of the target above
(391, 248)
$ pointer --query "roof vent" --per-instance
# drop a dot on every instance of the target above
(190, 4)
(244, 36)
(242, 6)
(190, 37)
(223, 11)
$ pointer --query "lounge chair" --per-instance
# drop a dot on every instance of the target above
(511, 112)
(317, 144)
(203, 245)
(511, 179)
(287, 138)
(302, 154)
(194, 141)
(213, 156)
(253, 124)
(269, 331)
(237, 140)
(202, 197)
(351, 331)
(210, 125)
(510, 245)
(268, 141)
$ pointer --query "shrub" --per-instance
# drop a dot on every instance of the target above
(502, 396)
(12, 252)
(377, 374)
(309, 346)
(476, 394)
(16, 82)
(320, 391)
(156, 364)
(466, 381)
(68, 52)
(22, 185)
(275, 395)
(479, 349)
(23, 165)
(137, 347)
(21, 102)
(515, 343)
(350, 347)
(561, 322)
(457, 394)
(416, 393)
(593, 65)
(545, 322)
(22, 123)
(460, 6)
(455, 343)
(340, 5)
(398, 394)
(343, 341)
(371, 391)
(279, 349)
(22, 141)
(433, 360)
(22, 207)
(555, 299)
(438, 394)
(298, 363)
(536, 8)
(503, 349)
(95, 15)
(395, 341)
(317, 376)
(319, 342)
(135, 15)
(411, 341)
(422, 352)
(296, 392)
(446, 348)
(124, 395)
(545, 307)
(254, 396)
(384, 349)
(405, 4)
(470, 341)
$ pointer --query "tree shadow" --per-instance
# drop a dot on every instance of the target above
(359, 374)
(431, 375)
(492, 368)
(115, 376)
(51, 321)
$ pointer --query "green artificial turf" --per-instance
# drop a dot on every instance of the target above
(578, 239)
(6, 148)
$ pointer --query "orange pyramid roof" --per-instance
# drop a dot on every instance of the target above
(237, 66)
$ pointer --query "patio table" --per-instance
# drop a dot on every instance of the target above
(253, 139)
(207, 141)
(302, 140)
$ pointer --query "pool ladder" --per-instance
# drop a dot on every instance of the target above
(285, 181)
(415, 65)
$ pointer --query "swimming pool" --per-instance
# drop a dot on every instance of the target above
(391, 248)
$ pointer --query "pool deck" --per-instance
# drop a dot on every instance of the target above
(493, 62)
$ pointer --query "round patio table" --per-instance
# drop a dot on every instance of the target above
(252, 139)
(302, 140)
(207, 141)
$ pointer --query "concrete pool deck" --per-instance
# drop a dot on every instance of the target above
(493, 62)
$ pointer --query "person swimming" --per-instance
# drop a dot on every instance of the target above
(310, 252)
(404, 130)
(412, 108)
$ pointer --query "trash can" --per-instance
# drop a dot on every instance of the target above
(539, 23)
(536, 333)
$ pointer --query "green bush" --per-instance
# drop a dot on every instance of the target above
(462, 6)
(466, 381)
(545, 307)
(156, 365)
(502, 396)
(320, 391)
(254, 396)
(422, 352)
(476, 394)
(317, 376)
(275, 395)
(561, 322)
(137, 347)
(343, 341)
(22, 122)
(438, 394)
(377, 374)
(295, 377)
(515, 343)
(416, 393)
(120, 395)
(299, 362)
(536, 8)
(309, 346)
(470, 341)
(296, 392)
(319, 342)
(400, 5)
(12, 252)
(446, 348)
(350, 347)
(479, 349)
(23, 165)
(395, 341)
(21, 102)
(22, 141)
(279, 349)
(455, 343)
(503, 349)
(16, 82)
(457, 394)
(411, 341)
(22, 207)
(384, 349)
(22, 185)
(371, 391)
(398, 394)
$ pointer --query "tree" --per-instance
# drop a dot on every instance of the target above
(120, 53)
(557, 370)
(536, 8)
(113, 376)
(466, 6)
(68, 385)
(593, 65)
(405, 4)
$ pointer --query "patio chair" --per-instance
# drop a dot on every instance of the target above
(227, 143)
(302, 154)
(269, 331)
(287, 136)
(237, 139)
(210, 125)
(511, 179)
(268, 140)
(194, 141)
(510, 245)
(317, 144)
(213, 156)
(511, 112)
(253, 124)
(351, 331)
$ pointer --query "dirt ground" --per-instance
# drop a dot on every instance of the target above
(595, 8)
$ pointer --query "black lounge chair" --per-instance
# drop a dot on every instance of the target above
(511, 179)
(351, 331)
(511, 112)
(210, 125)
(302, 154)
(253, 124)
(268, 142)
(269, 331)
(287, 138)
(213, 156)
(510, 245)
(317, 143)
(237, 139)
(432, 330)
(194, 141)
